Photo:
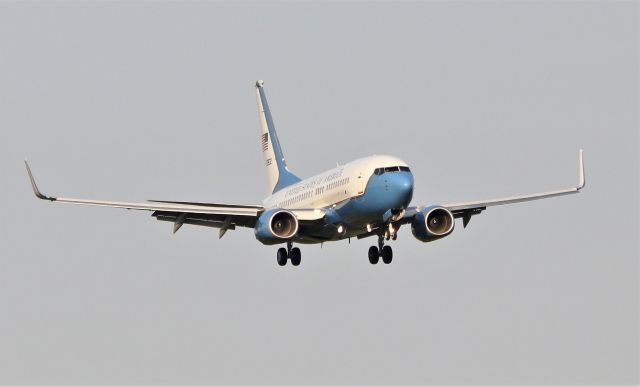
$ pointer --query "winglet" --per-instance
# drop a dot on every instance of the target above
(36, 191)
(582, 180)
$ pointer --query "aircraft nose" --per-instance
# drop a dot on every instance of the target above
(403, 186)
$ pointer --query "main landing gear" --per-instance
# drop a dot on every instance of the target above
(381, 251)
(292, 253)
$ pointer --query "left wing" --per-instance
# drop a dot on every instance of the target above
(468, 209)
(222, 216)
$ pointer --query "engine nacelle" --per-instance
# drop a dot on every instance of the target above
(276, 226)
(432, 223)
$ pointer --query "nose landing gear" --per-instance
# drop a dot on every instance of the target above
(382, 251)
(292, 253)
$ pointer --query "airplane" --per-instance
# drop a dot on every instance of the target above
(368, 197)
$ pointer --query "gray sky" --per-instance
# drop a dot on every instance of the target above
(155, 101)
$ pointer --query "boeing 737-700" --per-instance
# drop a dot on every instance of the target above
(368, 197)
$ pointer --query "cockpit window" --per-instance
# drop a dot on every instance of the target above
(380, 171)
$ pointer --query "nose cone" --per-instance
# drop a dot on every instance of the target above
(401, 186)
(387, 191)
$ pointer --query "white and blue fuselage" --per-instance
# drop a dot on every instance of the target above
(367, 197)
(355, 196)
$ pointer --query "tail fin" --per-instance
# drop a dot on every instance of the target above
(278, 176)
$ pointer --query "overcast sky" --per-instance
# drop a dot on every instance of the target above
(136, 101)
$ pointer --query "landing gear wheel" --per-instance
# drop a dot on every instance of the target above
(295, 256)
(282, 256)
(374, 255)
(387, 254)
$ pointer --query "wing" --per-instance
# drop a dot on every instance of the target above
(222, 216)
(468, 209)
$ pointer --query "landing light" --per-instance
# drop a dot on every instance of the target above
(340, 229)
(368, 228)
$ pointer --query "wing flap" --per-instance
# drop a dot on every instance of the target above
(216, 221)
(226, 205)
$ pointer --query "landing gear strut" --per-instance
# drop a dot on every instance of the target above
(381, 250)
(292, 253)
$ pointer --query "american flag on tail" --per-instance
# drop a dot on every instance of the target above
(265, 142)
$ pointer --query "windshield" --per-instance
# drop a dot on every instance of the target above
(380, 171)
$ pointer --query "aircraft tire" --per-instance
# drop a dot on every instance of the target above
(374, 255)
(296, 256)
(387, 254)
(282, 256)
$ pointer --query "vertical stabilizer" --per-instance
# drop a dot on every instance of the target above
(278, 176)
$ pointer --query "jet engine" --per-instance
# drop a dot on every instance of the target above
(276, 226)
(432, 223)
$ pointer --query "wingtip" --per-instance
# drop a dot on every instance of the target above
(582, 180)
(34, 186)
(259, 83)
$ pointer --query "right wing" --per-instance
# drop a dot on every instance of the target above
(222, 216)
(467, 209)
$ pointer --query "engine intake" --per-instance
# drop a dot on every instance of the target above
(432, 223)
(276, 226)
(439, 221)
(283, 224)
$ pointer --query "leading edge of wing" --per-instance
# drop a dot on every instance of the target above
(200, 208)
(525, 198)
